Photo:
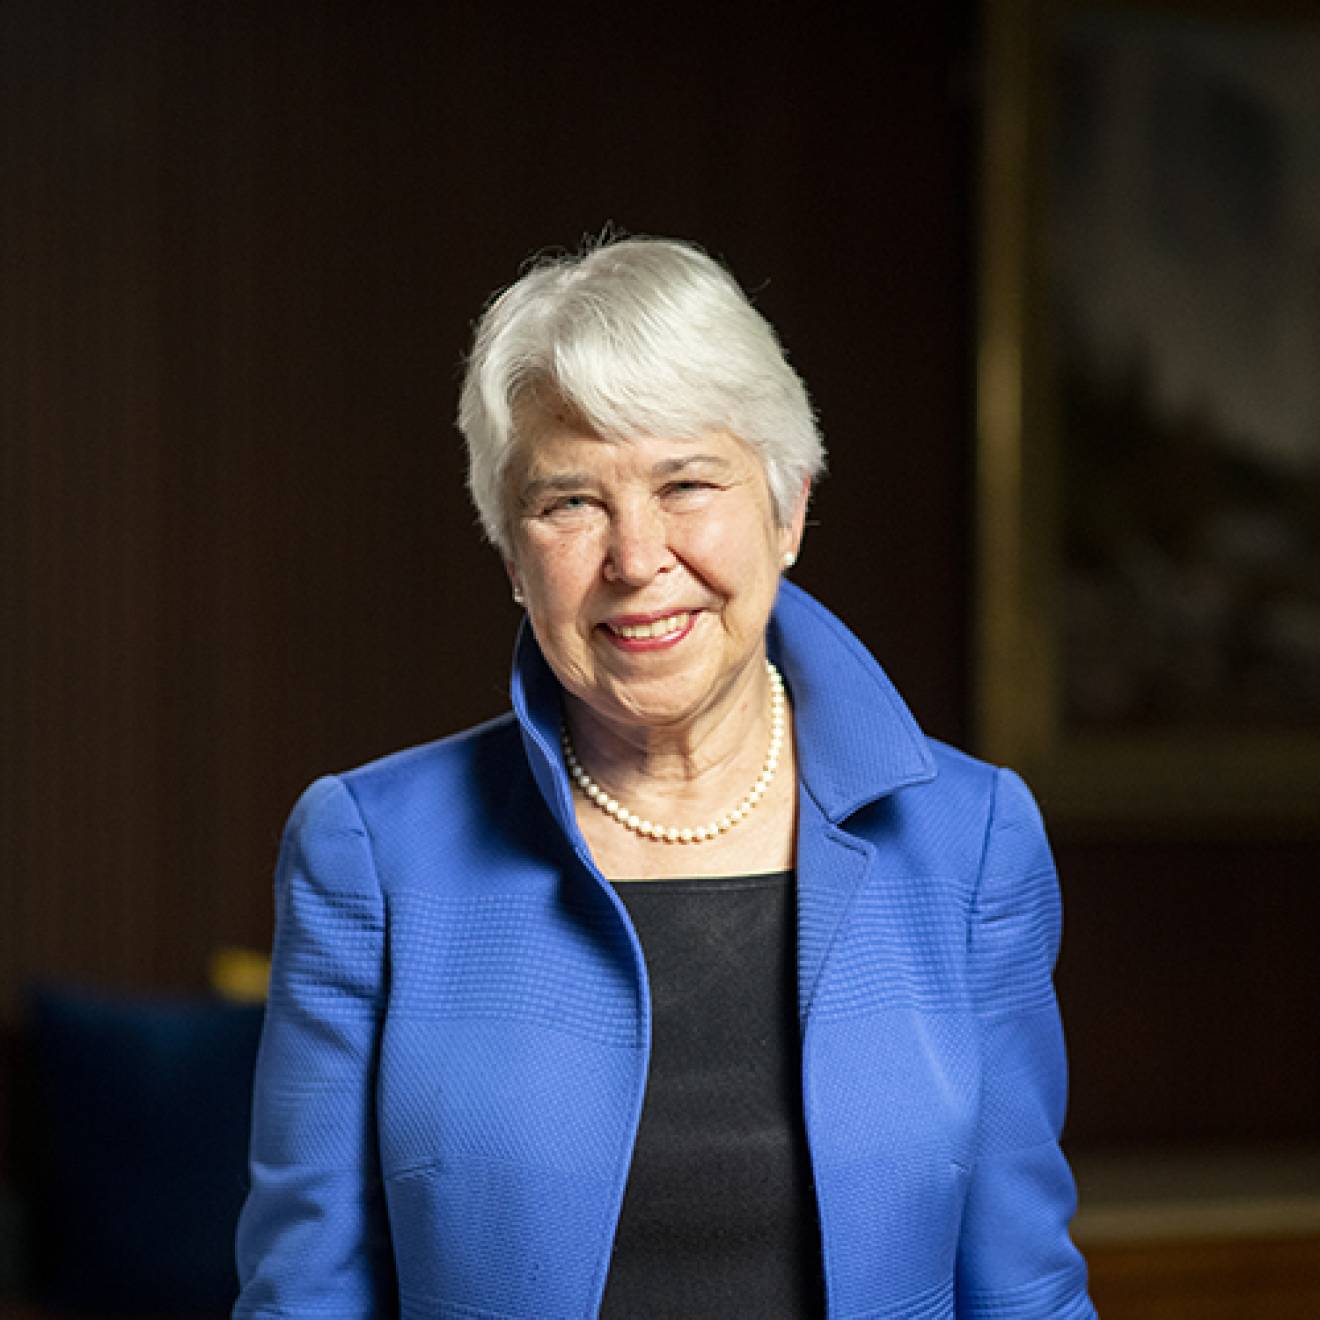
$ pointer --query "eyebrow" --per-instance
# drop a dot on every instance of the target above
(670, 466)
(566, 482)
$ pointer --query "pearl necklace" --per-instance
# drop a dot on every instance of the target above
(674, 833)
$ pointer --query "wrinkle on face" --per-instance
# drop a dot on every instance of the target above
(653, 526)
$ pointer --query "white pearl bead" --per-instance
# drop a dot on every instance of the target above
(687, 834)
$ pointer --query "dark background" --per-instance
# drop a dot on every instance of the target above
(241, 247)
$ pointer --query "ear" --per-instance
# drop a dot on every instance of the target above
(515, 582)
(790, 535)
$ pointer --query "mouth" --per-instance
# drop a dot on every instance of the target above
(650, 634)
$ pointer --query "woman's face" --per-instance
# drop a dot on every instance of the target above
(648, 568)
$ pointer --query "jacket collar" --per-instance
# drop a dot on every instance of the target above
(856, 739)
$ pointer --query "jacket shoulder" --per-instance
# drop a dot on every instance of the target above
(998, 813)
(960, 771)
(447, 785)
(943, 823)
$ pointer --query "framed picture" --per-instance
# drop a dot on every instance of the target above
(1148, 381)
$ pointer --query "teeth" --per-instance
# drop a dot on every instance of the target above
(659, 628)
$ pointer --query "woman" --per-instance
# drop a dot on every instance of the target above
(702, 983)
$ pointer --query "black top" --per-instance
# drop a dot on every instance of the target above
(719, 1215)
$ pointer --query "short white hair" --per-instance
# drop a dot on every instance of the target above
(634, 337)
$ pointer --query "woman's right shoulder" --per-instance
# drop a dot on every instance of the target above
(447, 778)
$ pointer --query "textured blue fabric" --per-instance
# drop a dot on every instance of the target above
(455, 1053)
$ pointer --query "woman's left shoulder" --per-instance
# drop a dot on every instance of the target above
(969, 800)
(960, 769)
(962, 783)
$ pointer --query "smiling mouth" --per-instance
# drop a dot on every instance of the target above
(670, 626)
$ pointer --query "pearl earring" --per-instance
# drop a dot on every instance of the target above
(789, 559)
(518, 596)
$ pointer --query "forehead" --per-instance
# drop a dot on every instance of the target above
(558, 446)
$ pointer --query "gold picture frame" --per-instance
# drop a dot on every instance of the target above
(1222, 765)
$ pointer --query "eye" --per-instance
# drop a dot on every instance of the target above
(688, 487)
(566, 505)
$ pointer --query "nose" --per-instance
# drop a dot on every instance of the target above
(638, 548)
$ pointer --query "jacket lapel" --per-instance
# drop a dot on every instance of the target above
(857, 742)
(831, 866)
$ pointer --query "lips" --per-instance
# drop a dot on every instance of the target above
(639, 634)
(640, 630)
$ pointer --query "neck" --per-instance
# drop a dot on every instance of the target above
(679, 769)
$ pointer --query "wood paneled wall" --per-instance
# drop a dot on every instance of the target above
(241, 246)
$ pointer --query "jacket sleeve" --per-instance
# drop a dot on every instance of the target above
(1016, 1260)
(313, 1238)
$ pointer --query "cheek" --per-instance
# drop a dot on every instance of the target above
(560, 576)
(740, 555)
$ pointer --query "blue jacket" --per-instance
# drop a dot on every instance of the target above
(457, 1037)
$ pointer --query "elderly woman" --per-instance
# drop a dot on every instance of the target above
(702, 983)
